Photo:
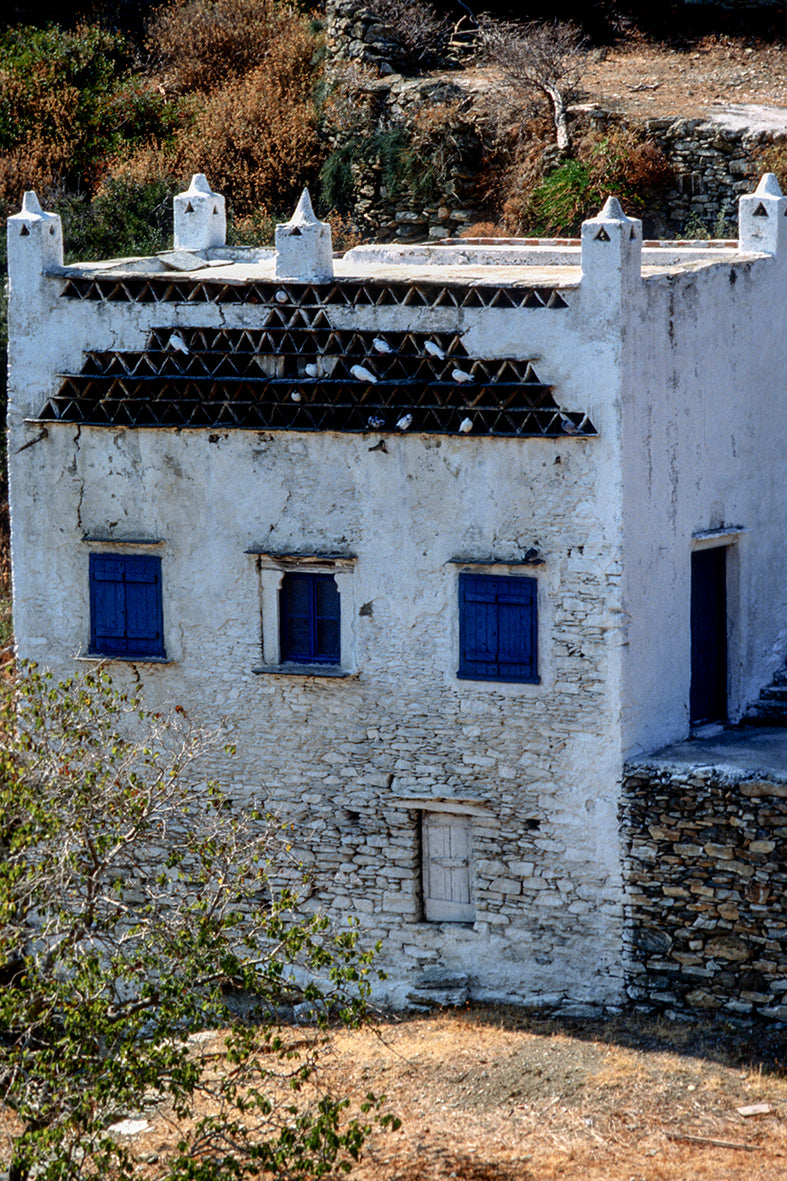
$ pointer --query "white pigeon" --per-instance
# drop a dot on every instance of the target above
(405, 422)
(381, 346)
(311, 371)
(362, 374)
(296, 397)
(466, 425)
(569, 427)
(461, 375)
(280, 297)
(434, 350)
(374, 423)
(177, 342)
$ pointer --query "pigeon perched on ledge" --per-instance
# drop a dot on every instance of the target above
(363, 374)
(177, 342)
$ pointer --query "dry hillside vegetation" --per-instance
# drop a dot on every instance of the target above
(490, 1094)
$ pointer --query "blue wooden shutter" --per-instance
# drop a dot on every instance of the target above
(144, 624)
(125, 605)
(498, 628)
(517, 618)
(295, 610)
(309, 609)
(477, 625)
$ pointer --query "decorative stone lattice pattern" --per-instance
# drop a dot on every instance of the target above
(707, 880)
(296, 372)
(345, 294)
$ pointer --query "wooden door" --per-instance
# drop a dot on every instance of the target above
(445, 851)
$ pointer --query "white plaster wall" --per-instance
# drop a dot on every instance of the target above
(335, 755)
(704, 445)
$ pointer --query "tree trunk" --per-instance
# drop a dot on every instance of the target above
(560, 117)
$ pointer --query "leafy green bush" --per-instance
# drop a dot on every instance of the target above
(137, 911)
(126, 217)
(619, 163)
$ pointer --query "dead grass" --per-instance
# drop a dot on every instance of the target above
(490, 1094)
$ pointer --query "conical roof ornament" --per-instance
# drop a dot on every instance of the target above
(612, 211)
(199, 184)
(304, 213)
(31, 205)
(303, 245)
(768, 186)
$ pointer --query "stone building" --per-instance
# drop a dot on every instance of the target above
(447, 533)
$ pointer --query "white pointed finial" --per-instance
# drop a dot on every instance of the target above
(200, 216)
(612, 210)
(303, 245)
(304, 213)
(611, 253)
(761, 225)
(199, 184)
(31, 205)
(768, 186)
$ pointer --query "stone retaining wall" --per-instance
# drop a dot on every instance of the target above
(705, 856)
(713, 164)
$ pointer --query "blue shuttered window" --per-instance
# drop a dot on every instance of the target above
(125, 605)
(498, 628)
(309, 615)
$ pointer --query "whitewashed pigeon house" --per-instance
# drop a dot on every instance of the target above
(439, 612)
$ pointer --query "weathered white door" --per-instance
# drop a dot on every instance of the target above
(446, 868)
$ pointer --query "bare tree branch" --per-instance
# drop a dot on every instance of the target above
(548, 58)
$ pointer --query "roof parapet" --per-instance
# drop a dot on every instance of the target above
(762, 218)
(611, 250)
(303, 245)
(200, 216)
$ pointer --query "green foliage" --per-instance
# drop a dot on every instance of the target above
(135, 912)
(126, 217)
(619, 162)
(561, 201)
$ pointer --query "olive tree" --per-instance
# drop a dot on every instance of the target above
(138, 911)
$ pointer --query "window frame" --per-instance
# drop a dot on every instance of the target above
(137, 611)
(271, 569)
(500, 591)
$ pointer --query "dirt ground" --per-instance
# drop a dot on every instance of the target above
(487, 1095)
(490, 1094)
(652, 81)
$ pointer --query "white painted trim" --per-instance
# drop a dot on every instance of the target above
(708, 538)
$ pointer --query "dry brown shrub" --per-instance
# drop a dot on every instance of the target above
(774, 159)
(202, 44)
(257, 139)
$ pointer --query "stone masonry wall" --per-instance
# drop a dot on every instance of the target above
(705, 858)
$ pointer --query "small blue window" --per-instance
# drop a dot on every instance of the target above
(125, 606)
(309, 615)
(498, 628)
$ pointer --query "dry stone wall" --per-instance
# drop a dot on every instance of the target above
(713, 164)
(706, 867)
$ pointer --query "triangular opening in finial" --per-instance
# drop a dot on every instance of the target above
(189, 208)
(601, 236)
(760, 211)
(24, 232)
